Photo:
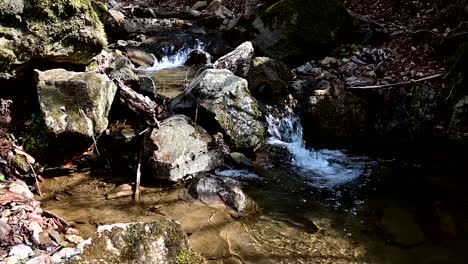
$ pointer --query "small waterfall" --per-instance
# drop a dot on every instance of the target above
(173, 58)
(321, 168)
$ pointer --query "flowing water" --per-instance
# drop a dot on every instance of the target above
(295, 222)
(175, 58)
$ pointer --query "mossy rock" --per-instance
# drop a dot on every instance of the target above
(160, 241)
(65, 31)
(297, 30)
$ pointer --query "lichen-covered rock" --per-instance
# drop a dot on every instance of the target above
(67, 31)
(294, 30)
(159, 242)
(227, 97)
(180, 148)
(268, 79)
(239, 61)
(74, 102)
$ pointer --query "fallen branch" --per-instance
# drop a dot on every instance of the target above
(49, 214)
(398, 84)
(138, 103)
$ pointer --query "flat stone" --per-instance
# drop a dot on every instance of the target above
(20, 251)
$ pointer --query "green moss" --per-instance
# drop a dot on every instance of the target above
(188, 257)
(35, 136)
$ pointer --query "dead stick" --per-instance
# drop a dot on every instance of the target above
(35, 178)
(397, 84)
(136, 195)
(49, 214)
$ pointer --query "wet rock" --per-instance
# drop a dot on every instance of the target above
(122, 43)
(239, 61)
(180, 148)
(123, 190)
(227, 97)
(140, 57)
(268, 79)
(156, 242)
(292, 30)
(20, 251)
(400, 227)
(64, 32)
(198, 57)
(214, 190)
(241, 159)
(74, 102)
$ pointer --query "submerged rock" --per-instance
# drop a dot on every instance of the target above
(239, 61)
(215, 190)
(160, 241)
(180, 148)
(227, 97)
(268, 79)
(400, 227)
(67, 31)
(294, 30)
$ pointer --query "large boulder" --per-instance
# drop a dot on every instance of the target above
(227, 97)
(160, 241)
(75, 102)
(180, 148)
(294, 30)
(67, 31)
(268, 79)
(238, 61)
(73, 109)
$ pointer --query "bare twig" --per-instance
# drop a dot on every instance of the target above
(35, 178)
(398, 84)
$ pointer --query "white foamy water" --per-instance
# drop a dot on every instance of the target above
(174, 59)
(322, 168)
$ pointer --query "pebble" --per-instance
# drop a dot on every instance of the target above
(74, 239)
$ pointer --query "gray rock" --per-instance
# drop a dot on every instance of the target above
(268, 79)
(147, 85)
(214, 190)
(307, 69)
(74, 102)
(400, 227)
(161, 241)
(121, 62)
(180, 148)
(226, 96)
(459, 121)
(44, 259)
(126, 75)
(122, 43)
(49, 30)
(239, 61)
(199, 5)
(20, 251)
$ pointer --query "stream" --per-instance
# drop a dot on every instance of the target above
(322, 206)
